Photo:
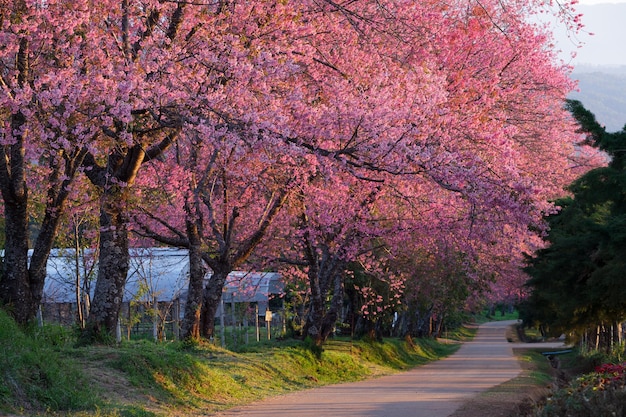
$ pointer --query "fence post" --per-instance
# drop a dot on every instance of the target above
(118, 332)
(155, 319)
(176, 319)
(39, 316)
(222, 333)
(268, 323)
(233, 318)
(256, 321)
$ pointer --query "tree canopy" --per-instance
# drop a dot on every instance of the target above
(314, 135)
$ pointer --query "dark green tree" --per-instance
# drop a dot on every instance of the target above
(578, 280)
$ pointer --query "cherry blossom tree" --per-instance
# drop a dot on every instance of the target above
(233, 192)
(45, 129)
(336, 224)
(132, 59)
(472, 116)
(180, 69)
(406, 118)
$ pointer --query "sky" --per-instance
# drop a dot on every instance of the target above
(607, 46)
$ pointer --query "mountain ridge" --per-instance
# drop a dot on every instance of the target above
(602, 90)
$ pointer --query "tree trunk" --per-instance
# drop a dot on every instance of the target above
(192, 321)
(315, 314)
(420, 324)
(321, 320)
(191, 325)
(113, 180)
(330, 318)
(38, 268)
(439, 327)
(211, 301)
(113, 265)
(402, 325)
(14, 282)
(15, 291)
(21, 281)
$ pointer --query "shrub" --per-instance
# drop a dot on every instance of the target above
(600, 393)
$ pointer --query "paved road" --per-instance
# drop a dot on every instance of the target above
(433, 390)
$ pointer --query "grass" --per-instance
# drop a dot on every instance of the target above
(43, 374)
(539, 371)
(36, 373)
(462, 333)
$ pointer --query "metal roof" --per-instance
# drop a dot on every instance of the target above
(252, 286)
(161, 273)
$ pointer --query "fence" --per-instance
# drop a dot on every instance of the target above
(236, 323)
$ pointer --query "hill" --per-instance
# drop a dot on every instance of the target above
(600, 62)
(602, 90)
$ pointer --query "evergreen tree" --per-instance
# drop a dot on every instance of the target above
(578, 279)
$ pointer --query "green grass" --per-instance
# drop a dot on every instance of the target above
(540, 371)
(35, 371)
(462, 333)
(43, 373)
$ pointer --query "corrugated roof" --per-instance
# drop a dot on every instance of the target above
(252, 286)
(155, 272)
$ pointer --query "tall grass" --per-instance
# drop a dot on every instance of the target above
(34, 372)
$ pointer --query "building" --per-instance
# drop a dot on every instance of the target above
(156, 288)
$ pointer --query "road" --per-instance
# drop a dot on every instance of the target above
(433, 390)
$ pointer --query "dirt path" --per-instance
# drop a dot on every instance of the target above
(433, 390)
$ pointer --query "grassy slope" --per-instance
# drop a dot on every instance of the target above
(43, 374)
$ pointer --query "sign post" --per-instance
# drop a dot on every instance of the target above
(268, 322)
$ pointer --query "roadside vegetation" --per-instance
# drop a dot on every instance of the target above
(591, 385)
(576, 280)
(576, 383)
(576, 285)
(43, 373)
(579, 383)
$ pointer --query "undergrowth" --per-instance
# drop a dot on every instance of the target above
(598, 389)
